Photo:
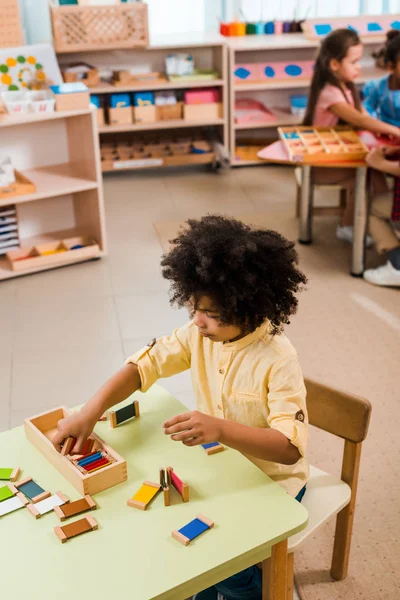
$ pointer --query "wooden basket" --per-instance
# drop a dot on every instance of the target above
(77, 28)
(10, 24)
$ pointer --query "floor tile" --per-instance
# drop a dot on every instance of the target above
(57, 322)
(5, 389)
(43, 378)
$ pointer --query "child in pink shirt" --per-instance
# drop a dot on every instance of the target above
(334, 100)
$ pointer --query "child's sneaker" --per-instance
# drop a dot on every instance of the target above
(345, 233)
(385, 275)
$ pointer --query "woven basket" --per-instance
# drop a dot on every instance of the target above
(77, 28)
(10, 24)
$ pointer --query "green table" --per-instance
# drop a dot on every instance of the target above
(132, 554)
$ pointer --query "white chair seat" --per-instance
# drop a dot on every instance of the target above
(325, 496)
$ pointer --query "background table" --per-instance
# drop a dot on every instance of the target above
(276, 153)
(132, 554)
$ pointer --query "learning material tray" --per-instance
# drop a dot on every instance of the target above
(324, 144)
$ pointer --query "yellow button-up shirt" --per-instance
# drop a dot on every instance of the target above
(256, 381)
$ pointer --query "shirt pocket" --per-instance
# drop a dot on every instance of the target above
(249, 409)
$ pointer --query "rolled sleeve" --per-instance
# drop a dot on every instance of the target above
(163, 357)
(287, 402)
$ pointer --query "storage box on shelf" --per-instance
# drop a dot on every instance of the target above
(77, 28)
(54, 201)
(11, 34)
(263, 69)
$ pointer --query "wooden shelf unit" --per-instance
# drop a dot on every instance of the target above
(208, 51)
(275, 93)
(68, 200)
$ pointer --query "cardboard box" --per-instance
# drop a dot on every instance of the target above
(120, 116)
(100, 117)
(169, 112)
(144, 114)
(200, 112)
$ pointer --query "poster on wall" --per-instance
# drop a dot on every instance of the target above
(28, 68)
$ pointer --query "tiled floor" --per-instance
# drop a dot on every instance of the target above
(63, 332)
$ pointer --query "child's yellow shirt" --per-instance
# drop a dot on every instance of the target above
(256, 381)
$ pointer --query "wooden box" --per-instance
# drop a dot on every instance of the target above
(40, 429)
(11, 34)
(57, 253)
(323, 144)
(78, 28)
(144, 114)
(77, 101)
(202, 112)
(100, 117)
(20, 187)
(122, 115)
(169, 112)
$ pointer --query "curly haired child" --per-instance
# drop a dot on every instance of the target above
(240, 287)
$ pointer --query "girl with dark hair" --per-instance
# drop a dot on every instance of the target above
(334, 100)
(382, 96)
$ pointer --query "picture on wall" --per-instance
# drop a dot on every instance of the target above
(28, 67)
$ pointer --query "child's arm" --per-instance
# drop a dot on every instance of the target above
(194, 428)
(81, 424)
(376, 159)
(354, 117)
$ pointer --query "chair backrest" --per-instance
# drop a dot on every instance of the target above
(337, 412)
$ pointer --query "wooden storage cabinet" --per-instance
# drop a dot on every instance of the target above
(65, 200)
(208, 52)
(40, 430)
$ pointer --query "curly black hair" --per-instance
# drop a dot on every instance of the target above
(250, 274)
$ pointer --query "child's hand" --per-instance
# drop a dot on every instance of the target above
(376, 158)
(73, 426)
(193, 428)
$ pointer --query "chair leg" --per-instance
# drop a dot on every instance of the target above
(343, 198)
(298, 192)
(290, 576)
(344, 520)
(274, 573)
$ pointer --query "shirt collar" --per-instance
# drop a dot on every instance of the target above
(262, 331)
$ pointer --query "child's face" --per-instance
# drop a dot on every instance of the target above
(206, 318)
(349, 68)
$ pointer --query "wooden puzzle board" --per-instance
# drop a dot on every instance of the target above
(324, 144)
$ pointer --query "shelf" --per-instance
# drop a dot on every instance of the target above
(173, 124)
(283, 119)
(56, 180)
(367, 73)
(166, 161)
(287, 41)
(8, 120)
(108, 88)
(7, 273)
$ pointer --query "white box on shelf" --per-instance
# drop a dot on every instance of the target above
(41, 101)
(16, 102)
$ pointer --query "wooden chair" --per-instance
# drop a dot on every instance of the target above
(321, 210)
(346, 416)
